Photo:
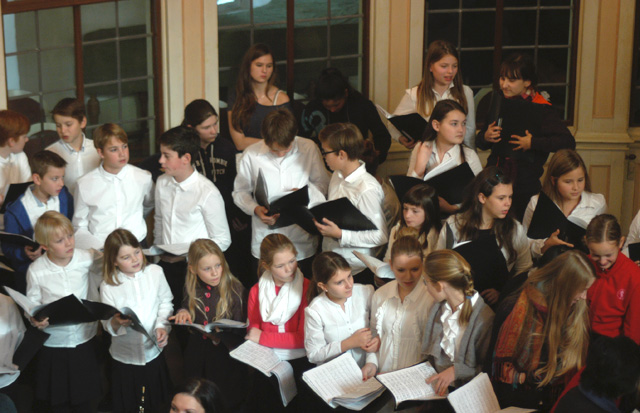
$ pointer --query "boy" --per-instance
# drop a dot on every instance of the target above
(14, 165)
(47, 193)
(188, 205)
(79, 152)
(114, 195)
(288, 162)
(342, 147)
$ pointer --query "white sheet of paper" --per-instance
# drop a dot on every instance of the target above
(379, 268)
(477, 396)
(22, 300)
(259, 357)
(288, 389)
(409, 383)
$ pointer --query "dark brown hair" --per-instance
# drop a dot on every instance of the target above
(343, 137)
(324, 267)
(279, 127)
(71, 107)
(42, 160)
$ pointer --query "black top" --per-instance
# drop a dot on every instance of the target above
(253, 128)
(218, 163)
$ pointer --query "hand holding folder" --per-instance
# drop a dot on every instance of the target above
(280, 207)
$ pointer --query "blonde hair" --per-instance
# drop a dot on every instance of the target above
(118, 238)
(229, 288)
(102, 135)
(563, 162)
(407, 245)
(450, 267)
(270, 246)
(49, 225)
(566, 327)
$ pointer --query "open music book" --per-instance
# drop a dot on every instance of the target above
(339, 383)
(267, 362)
(477, 396)
(379, 268)
(410, 383)
(209, 328)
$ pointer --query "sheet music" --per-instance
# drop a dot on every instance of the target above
(409, 383)
(257, 356)
(379, 268)
(226, 323)
(22, 300)
(477, 396)
(518, 410)
(287, 383)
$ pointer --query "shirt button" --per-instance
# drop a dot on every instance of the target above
(205, 322)
(209, 287)
(208, 295)
(206, 309)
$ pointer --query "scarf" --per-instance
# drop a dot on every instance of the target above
(278, 309)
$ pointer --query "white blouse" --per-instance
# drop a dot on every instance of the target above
(400, 325)
(634, 234)
(326, 324)
(452, 331)
(450, 160)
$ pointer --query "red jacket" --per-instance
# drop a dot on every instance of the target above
(614, 300)
(293, 337)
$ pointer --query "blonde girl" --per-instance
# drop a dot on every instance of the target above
(138, 369)
(213, 293)
(458, 331)
(568, 185)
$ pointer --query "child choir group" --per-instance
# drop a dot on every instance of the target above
(529, 328)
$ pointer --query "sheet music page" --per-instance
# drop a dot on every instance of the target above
(229, 323)
(257, 356)
(284, 373)
(477, 396)
(22, 300)
(518, 410)
(410, 383)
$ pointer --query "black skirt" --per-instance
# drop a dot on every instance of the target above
(128, 381)
(68, 375)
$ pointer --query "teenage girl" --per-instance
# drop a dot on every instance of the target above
(614, 299)
(458, 331)
(541, 333)
(199, 396)
(485, 210)
(213, 293)
(256, 96)
(337, 319)
(140, 377)
(441, 79)
(441, 148)
(568, 185)
(421, 212)
(400, 308)
(518, 80)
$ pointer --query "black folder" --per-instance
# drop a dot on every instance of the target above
(488, 265)
(32, 341)
(547, 218)
(281, 205)
(17, 239)
(494, 108)
(518, 116)
(412, 126)
(402, 184)
(634, 251)
(13, 193)
(340, 211)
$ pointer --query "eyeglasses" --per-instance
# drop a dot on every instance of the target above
(324, 154)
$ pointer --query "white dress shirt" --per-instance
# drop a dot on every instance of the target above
(48, 282)
(35, 208)
(634, 234)
(366, 194)
(520, 244)
(326, 324)
(450, 159)
(11, 333)
(408, 104)
(400, 325)
(14, 169)
(78, 162)
(301, 166)
(452, 331)
(148, 295)
(105, 202)
(589, 207)
(189, 210)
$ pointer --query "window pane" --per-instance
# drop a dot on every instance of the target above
(58, 69)
(269, 11)
(275, 38)
(312, 9)
(137, 99)
(281, 72)
(98, 21)
(311, 40)
(343, 7)
(556, 2)
(519, 27)
(52, 33)
(555, 28)
(345, 35)
(552, 65)
(30, 107)
(557, 98)
(442, 26)
(19, 32)
(135, 15)
(134, 54)
(107, 96)
(232, 13)
(227, 82)
(470, 4)
(441, 4)
(233, 44)
(477, 29)
(306, 75)
(634, 116)
(100, 62)
(520, 3)
(477, 67)
(138, 133)
(22, 74)
(351, 69)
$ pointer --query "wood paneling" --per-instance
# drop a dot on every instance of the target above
(606, 59)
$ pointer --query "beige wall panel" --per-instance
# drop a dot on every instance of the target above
(172, 55)
(193, 49)
(600, 176)
(398, 50)
(211, 59)
(379, 48)
(606, 57)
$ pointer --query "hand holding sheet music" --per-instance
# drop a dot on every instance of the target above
(477, 396)
(410, 383)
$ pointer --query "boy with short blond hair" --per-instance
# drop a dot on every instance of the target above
(81, 156)
(114, 195)
(14, 165)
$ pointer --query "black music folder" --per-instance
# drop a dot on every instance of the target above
(13, 193)
(412, 126)
(281, 205)
(634, 251)
(547, 218)
(340, 211)
(488, 265)
(32, 341)
(17, 239)
(518, 116)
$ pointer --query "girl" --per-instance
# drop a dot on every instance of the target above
(276, 313)
(198, 396)
(139, 371)
(337, 320)
(256, 96)
(441, 149)
(213, 293)
(524, 156)
(458, 331)
(400, 308)
(567, 184)
(485, 213)
(441, 79)
(420, 211)
(541, 333)
(614, 299)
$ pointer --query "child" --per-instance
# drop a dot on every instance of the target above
(213, 293)
(518, 81)
(14, 165)
(188, 205)
(287, 162)
(342, 147)
(115, 194)
(198, 396)
(47, 193)
(337, 320)
(458, 331)
(441, 79)
(81, 156)
(567, 184)
(68, 377)
(139, 371)
(400, 308)
(485, 211)
(614, 299)
(540, 334)
(420, 211)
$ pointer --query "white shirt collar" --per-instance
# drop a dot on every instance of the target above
(108, 175)
(451, 329)
(70, 148)
(445, 92)
(353, 176)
